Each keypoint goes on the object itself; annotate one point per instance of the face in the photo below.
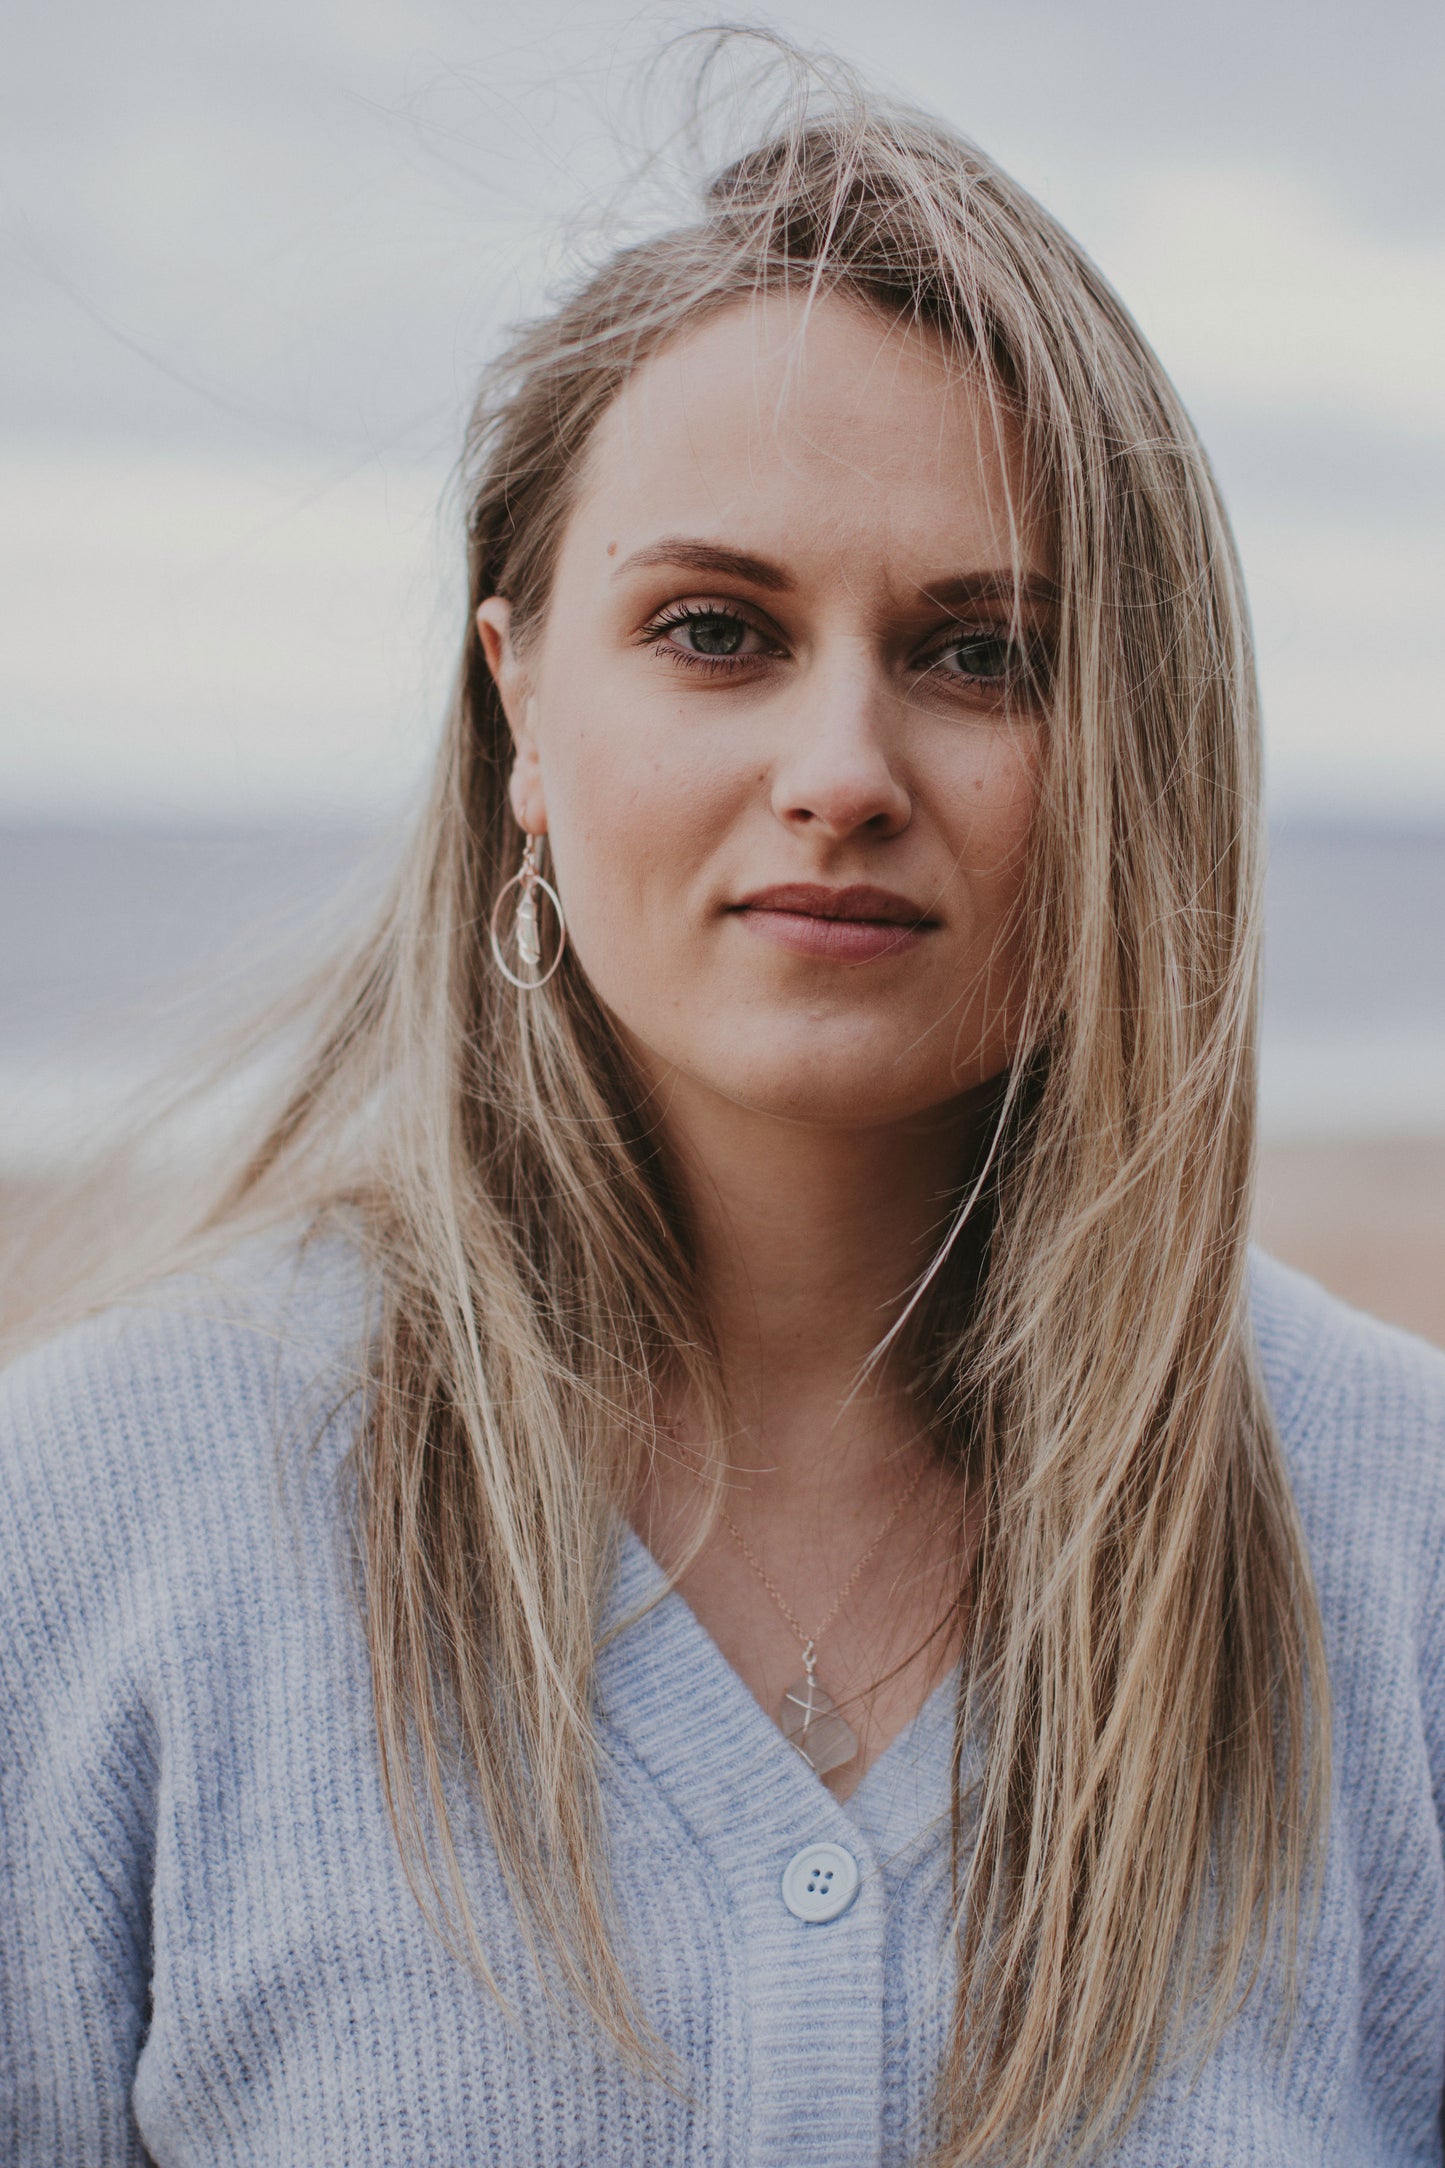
(780, 721)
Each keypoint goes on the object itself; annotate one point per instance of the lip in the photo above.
(852, 924)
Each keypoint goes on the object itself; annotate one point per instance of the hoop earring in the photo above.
(525, 930)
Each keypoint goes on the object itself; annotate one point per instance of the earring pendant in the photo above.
(529, 883)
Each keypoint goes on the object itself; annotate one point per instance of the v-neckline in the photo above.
(664, 1683)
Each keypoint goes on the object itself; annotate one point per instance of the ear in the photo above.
(514, 689)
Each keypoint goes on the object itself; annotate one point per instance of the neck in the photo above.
(810, 1240)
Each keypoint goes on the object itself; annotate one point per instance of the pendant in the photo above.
(529, 942)
(809, 1719)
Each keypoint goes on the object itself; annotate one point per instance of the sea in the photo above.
(122, 947)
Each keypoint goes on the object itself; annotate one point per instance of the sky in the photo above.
(252, 261)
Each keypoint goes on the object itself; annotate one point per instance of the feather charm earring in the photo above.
(526, 930)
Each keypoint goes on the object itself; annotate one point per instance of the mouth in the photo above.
(852, 925)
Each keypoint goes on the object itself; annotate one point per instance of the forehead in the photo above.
(826, 432)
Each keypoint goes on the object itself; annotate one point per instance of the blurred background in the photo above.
(252, 261)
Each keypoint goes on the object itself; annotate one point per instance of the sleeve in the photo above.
(1431, 1654)
(1419, 1546)
(78, 1774)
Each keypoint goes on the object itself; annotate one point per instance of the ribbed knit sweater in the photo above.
(209, 1953)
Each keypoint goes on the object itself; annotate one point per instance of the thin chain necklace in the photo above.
(808, 1715)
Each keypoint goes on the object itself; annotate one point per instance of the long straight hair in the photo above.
(1146, 1660)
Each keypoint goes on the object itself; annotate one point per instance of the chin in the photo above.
(828, 1093)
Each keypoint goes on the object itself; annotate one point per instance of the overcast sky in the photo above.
(251, 261)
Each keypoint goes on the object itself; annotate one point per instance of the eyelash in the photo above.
(1022, 670)
(688, 613)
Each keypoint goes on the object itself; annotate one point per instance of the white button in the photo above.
(820, 1882)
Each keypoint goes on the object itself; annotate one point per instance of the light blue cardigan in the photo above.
(208, 1953)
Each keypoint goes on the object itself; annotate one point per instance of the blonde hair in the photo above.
(1145, 1659)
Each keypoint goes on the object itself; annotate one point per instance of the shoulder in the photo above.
(161, 1552)
(1360, 1405)
(170, 1375)
(140, 1448)
(1318, 1352)
(1360, 1409)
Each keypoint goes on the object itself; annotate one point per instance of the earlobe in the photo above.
(524, 785)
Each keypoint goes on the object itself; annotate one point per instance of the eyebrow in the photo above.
(999, 585)
(709, 557)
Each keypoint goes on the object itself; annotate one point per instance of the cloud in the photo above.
(187, 635)
(1257, 289)
(1346, 612)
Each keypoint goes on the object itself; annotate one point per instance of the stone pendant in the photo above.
(529, 943)
(809, 1719)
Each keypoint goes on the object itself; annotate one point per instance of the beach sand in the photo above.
(1367, 1217)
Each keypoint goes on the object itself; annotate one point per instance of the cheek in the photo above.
(997, 799)
(635, 811)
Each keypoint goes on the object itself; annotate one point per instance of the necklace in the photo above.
(808, 1715)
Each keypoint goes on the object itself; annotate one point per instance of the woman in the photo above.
(736, 1569)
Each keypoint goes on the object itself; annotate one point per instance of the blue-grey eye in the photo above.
(715, 635)
(982, 656)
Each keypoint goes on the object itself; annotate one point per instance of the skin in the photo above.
(849, 709)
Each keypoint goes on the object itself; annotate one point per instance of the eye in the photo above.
(707, 635)
(989, 659)
(712, 635)
(988, 655)
(982, 655)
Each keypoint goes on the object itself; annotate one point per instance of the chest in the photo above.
(302, 2009)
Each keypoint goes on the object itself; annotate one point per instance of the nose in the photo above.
(836, 772)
